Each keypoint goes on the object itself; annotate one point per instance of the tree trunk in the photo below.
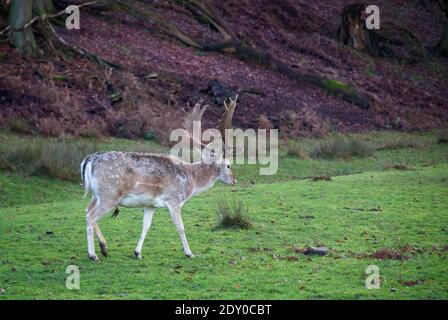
(20, 13)
(43, 7)
(352, 31)
(442, 47)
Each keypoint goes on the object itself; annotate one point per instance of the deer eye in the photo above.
(228, 166)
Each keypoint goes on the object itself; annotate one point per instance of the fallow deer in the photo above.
(150, 181)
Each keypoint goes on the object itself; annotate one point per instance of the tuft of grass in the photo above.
(398, 142)
(52, 158)
(19, 125)
(341, 147)
(232, 214)
(296, 150)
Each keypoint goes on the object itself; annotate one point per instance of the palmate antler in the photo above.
(227, 117)
(198, 111)
(226, 123)
(195, 114)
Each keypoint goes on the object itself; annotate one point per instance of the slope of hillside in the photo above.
(160, 75)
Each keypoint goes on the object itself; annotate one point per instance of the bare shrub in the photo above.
(305, 122)
(144, 122)
(264, 122)
(232, 214)
(50, 127)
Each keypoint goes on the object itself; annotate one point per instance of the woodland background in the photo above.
(298, 66)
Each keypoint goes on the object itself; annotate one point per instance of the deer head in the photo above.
(214, 152)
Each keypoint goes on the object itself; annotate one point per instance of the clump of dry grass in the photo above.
(19, 125)
(341, 147)
(296, 150)
(53, 158)
(232, 214)
(398, 142)
(50, 127)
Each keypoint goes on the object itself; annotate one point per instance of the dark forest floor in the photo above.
(160, 75)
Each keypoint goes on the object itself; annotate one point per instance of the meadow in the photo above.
(386, 206)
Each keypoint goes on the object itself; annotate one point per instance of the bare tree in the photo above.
(20, 13)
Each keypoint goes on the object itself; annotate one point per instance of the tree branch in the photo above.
(52, 16)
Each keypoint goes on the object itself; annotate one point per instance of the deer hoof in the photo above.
(137, 255)
(190, 255)
(94, 258)
(103, 249)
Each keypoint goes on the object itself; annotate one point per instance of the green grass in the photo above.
(365, 207)
(232, 214)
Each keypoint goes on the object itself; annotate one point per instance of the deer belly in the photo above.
(140, 200)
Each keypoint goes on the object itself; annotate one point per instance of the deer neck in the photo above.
(204, 176)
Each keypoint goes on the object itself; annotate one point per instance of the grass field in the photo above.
(369, 213)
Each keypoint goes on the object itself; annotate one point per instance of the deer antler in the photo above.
(227, 117)
(195, 114)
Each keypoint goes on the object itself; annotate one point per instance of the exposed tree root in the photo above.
(63, 45)
(204, 11)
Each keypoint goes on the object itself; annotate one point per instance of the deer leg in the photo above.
(101, 239)
(96, 211)
(90, 241)
(175, 212)
(147, 219)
